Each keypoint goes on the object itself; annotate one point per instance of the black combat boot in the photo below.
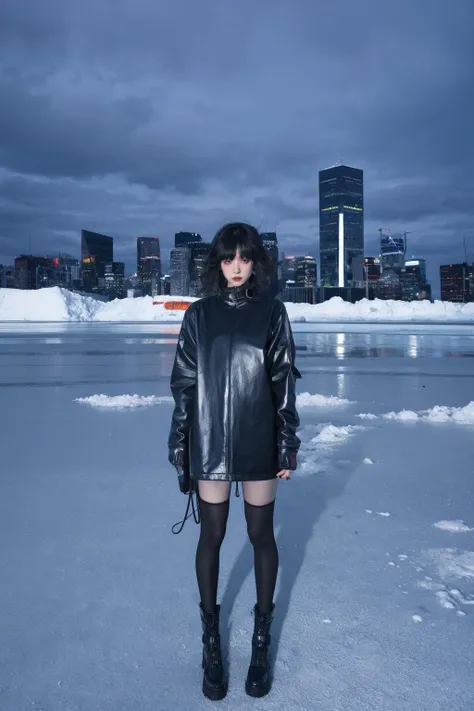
(259, 680)
(214, 683)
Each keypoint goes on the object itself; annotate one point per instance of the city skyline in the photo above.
(133, 138)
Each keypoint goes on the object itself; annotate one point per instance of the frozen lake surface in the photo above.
(375, 598)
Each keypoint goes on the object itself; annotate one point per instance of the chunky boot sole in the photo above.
(258, 691)
(213, 694)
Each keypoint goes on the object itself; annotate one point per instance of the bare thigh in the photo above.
(260, 493)
(214, 492)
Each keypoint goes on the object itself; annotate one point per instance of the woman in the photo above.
(233, 382)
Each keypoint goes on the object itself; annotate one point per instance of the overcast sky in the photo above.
(138, 117)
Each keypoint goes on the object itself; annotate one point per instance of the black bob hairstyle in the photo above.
(229, 238)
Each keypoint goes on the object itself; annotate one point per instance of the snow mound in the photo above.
(308, 400)
(438, 413)
(336, 309)
(57, 304)
(457, 526)
(53, 304)
(122, 402)
(451, 563)
(403, 416)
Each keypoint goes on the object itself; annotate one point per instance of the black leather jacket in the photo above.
(233, 383)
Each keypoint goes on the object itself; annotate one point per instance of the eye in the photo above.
(245, 260)
(227, 261)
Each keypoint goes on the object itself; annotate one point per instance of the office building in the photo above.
(413, 280)
(392, 251)
(371, 269)
(97, 250)
(198, 252)
(115, 280)
(179, 271)
(149, 265)
(270, 243)
(455, 282)
(183, 239)
(306, 272)
(341, 225)
(27, 269)
(166, 285)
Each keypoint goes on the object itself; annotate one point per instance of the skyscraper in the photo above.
(96, 251)
(115, 280)
(306, 272)
(341, 225)
(392, 251)
(270, 243)
(455, 282)
(183, 239)
(149, 265)
(413, 279)
(179, 271)
(197, 254)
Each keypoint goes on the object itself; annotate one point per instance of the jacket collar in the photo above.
(237, 295)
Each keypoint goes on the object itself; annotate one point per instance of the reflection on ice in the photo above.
(413, 346)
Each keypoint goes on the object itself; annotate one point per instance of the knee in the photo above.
(259, 536)
(213, 537)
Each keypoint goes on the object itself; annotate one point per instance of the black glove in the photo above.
(287, 459)
(184, 479)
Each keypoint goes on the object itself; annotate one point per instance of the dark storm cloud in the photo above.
(141, 117)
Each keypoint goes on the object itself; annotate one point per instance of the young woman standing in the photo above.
(235, 420)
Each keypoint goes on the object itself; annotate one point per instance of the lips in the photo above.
(236, 278)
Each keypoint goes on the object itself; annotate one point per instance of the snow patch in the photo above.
(417, 618)
(452, 563)
(438, 413)
(383, 513)
(121, 402)
(367, 460)
(367, 416)
(457, 526)
(449, 598)
(331, 434)
(308, 400)
(403, 416)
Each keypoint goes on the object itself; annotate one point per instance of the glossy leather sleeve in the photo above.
(281, 353)
(183, 388)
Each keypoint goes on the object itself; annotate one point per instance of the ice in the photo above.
(453, 526)
(98, 600)
(57, 304)
(122, 402)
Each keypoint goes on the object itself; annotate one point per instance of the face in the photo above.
(237, 270)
